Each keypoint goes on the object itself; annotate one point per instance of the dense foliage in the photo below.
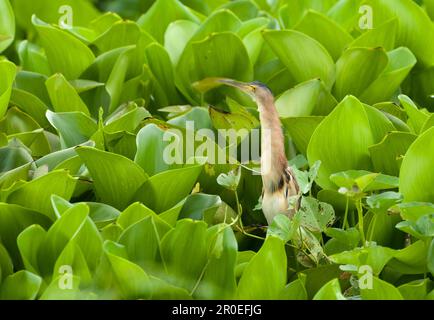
(90, 209)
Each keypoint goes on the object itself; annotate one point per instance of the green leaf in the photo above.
(22, 285)
(330, 291)
(401, 61)
(381, 36)
(416, 118)
(417, 176)
(177, 35)
(65, 53)
(304, 57)
(254, 283)
(36, 194)
(347, 132)
(356, 69)
(6, 264)
(164, 190)
(132, 281)
(218, 55)
(231, 180)
(116, 179)
(294, 291)
(120, 34)
(185, 257)
(8, 70)
(29, 243)
(161, 14)
(387, 155)
(301, 130)
(7, 25)
(381, 290)
(306, 99)
(415, 290)
(327, 32)
(63, 95)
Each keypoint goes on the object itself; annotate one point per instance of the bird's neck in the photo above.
(273, 158)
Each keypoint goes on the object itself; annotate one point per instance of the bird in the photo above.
(278, 179)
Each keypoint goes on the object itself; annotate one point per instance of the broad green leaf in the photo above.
(415, 290)
(177, 35)
(132, 281)
(294, 291)
(133, 214)
(219, 55)
(161, 14)
(36, 194)
(8, 70)
(388, 154)
(13, 220)
(7, 25)
(120, 34)
(330, 291)
(22, 285)
(412, 21)
(381, 290)
(381, 36)
(64, 97)
(356, 69)
(416, 175)
(126, 118)
(304, 57)
(306, 99)
(254, 283)
(416, 118)
(412, 259)
(29, 243)
(198, 205)
(164, 190)
(301, 130)
(218, 281)
(149, 231)
(401, 61)
(185, 257)
(65, 53)
(60, 233)
(6, 264)
(331, 35)
(33, 58)
(346, 132)
(116, 179)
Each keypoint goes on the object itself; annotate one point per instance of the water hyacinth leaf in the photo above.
(8, 70)
(36, 194)
(177, 35)
(74, 128)
(164, 190)
(126, 118)
(356, 69)
(116, 178)
(161, 67)
(15, 219)
(162, 13)
(381, 36)
(301, 130)
(401, 61)
(415, 290)
(6, 264)
(416, 118)
(306, 99)
(387, 155)
(65, 53)
(220, 21)
(412, 20)
(149, 230)
(412, 259)
(120, 34)
(416, 175)
(7, 25)
(294, 291)
(219, 55)
(29, 243)
(221, 265)
(346, 128)
(185, 257)
(58, 236)
(64, 97)
(254, 283)
(326, 31)
(304, 57)
(22, 285)
(381, 290)
(198, 204)
(133, 282)
(330, 291)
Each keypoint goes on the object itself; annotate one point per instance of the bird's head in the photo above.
(257, 90)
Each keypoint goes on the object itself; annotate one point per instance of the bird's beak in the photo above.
(245, 87)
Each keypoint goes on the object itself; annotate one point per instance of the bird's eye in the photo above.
(253, 88)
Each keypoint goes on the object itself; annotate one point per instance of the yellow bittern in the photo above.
(279, 181)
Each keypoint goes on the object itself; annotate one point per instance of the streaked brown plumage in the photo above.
(279, 182)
